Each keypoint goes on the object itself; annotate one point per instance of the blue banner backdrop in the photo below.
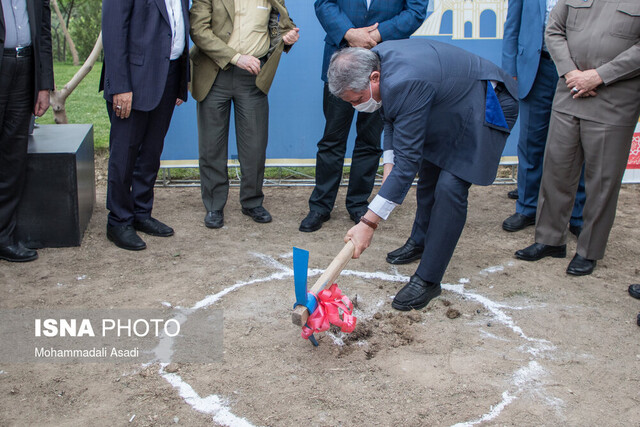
(296, 121)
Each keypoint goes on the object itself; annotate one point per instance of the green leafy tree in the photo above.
(85, 25)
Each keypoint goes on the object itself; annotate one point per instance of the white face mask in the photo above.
(370, 105)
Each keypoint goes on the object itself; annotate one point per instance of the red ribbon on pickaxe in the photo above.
(333, 308)
(315, 309)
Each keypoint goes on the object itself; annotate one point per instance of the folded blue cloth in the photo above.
(493, 110)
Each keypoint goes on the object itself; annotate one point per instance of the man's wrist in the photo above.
(368, 222)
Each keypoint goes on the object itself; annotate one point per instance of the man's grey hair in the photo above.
(350, 69)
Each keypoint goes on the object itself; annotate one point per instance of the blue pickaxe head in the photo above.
(300, 269)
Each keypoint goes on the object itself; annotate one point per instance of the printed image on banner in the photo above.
(632, 174)
(634, 153)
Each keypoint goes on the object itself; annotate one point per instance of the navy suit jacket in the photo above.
(136, 35)
(433, 108)
(521, 47)
(397, 19)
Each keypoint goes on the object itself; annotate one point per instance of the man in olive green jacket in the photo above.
(238, 44)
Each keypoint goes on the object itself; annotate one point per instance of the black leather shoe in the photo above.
(575, 230)
(125, 237)
(638, 320)
(18, 253)
(580, 266)
(409, 252)
(538, 251)
(313, 221)
(214, 219)
(634, 291)
(416, 294)
(517, 222)
(355, 216)
(513, 194)
(153, 227)
(258, 214)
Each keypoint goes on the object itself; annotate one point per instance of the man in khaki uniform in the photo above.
(238, 44)
(596, 48)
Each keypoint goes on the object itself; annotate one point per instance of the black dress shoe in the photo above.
(409, 252)
(214, 219)
(416, 294)
(153, 227)
(517, 222)
(580, 266)
(125, 237)
(634, 290)
(538, 251)
(313, 221)
(18, 253)
(575, 230)
(638, 320)
(258, 214)
(513, 194)
(355, 216)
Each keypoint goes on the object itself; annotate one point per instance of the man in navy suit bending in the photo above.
(144, 77)
(447, 114)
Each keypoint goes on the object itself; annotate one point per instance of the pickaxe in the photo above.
(305, 300)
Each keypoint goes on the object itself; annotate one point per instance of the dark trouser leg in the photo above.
(365, 160)
(16, 106)
(147, 164)
(213, 138)
(578, 204)
(447, 217)
(251, 109)
(125, 139)
(331, 150)
(535, 112)
(425, 193)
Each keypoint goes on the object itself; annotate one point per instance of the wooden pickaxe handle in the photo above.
(300, 313)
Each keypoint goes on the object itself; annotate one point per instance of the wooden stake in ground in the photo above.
(300, 313)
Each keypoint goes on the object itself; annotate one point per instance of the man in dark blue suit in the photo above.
(144, 77)
(447, 114)
(526, 58)
(354, 23)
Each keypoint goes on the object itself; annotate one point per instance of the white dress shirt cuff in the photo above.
(388, 157)
(381, 206)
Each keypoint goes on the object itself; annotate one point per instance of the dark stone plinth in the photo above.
(60, 191)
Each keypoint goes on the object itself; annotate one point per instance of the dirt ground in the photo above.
(507, 343)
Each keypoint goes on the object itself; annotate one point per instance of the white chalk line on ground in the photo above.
(525, 378)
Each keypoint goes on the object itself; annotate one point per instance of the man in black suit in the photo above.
(144, 77)
(26, 76)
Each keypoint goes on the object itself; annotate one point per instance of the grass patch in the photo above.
(85, 104)
(270, 173)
